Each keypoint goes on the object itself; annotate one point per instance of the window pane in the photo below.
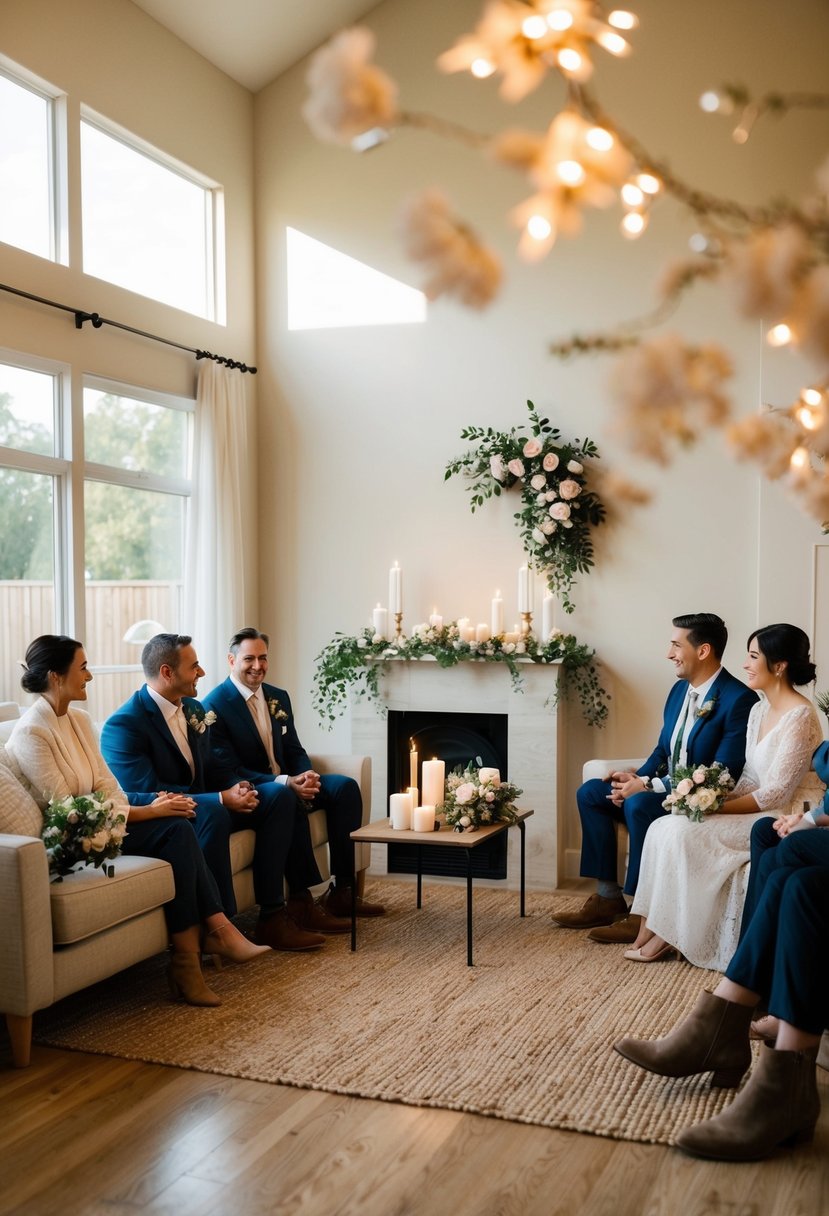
(27, 579)
(132, 534)
(27, 410)
(145, 227)
(136, 435)
(25, 212)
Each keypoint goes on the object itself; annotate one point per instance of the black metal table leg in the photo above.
(521, 828)
(469, 907)
(354, 896)
(419, 877)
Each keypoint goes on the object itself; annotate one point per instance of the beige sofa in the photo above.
(61, 937)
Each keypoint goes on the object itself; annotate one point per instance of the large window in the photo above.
(148, 224)
(27, 168)
(92, 546)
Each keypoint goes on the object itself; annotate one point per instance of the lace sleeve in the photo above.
(749, 778)
(789, 758)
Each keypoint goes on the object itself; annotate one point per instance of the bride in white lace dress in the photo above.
(694, 875)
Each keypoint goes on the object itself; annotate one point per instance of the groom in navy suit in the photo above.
(160, 740)
(256, 739)
(704, 722)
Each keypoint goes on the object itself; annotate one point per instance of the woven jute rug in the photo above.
(525, 1034)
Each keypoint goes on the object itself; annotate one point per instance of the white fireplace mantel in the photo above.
(533, 743)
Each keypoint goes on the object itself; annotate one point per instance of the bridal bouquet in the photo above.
(82, 829)
(699, 791)
(470, 803)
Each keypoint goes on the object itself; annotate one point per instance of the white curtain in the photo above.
(214, 574)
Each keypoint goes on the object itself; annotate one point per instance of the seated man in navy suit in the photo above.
(704, 722)
(160, 740)
(256, 739)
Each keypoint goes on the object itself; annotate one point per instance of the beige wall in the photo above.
(359, 424)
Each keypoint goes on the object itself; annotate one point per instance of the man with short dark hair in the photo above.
(257, 740)
(160, 740)
(704, 722)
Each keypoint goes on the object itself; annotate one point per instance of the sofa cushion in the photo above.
(19, 813)
(86, 902)
(241, 849)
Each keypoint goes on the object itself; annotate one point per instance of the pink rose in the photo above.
(569, 489)
(539, 482)
(698, 776)
(575, 467)
(550, 462)
(531, 448)
(465, 793)
(550, 495)
(560, 510)
(685, 786)
(516, 467)
(497, 468)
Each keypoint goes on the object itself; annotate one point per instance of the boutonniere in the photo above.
(276, 710)
(706, 708)
(198, 718)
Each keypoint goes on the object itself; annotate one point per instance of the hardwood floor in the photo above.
(89, 1135)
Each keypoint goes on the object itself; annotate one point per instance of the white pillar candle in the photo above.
(424, 819)
(524, 600)
(548, 616)
(497, 615)
(432, 778)
(467, 633)
(482, 633)
(400, 811)
(395, 589)
(380, 617)
(413, 794)
(489, 774)
(513, 636)
(436, 620)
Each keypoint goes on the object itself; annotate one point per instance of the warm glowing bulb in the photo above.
(698, 243)
(613, 43)
(799, 462)
(634, 224)
(812, 396)
(599, 139)
(481, 68)
(649, 183)
(570, 60)
(621, 19)
(779, 335)
(534, 27)
(710, 102)
(560, 19)
(808, 417)
(632, 195)
(538, 227)
(740, 135)
(570, 172)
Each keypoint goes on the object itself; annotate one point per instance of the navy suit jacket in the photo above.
(140, 749)
(235, 739)
(717, 737)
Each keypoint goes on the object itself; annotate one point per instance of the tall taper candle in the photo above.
(497, 621)
(524, 601)
(412, 764)
(395, 589)
(548, 617)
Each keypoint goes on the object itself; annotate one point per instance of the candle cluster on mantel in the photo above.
(468, 631)
(405, 812)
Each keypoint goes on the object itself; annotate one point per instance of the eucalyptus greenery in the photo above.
(558, 511)
(357, 662)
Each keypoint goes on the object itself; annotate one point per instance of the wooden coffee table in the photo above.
(381, 832)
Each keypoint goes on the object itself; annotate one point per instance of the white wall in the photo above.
(357, 425)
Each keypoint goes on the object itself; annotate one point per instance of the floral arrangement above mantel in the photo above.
(358, 662)
(558, 510)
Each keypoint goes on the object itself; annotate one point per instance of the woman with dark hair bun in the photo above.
(57, 752)
(694, 875)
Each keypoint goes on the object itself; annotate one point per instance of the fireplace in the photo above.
(457, 739)
(530, 756)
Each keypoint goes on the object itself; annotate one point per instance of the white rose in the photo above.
(465, 793)
(538, 482)
(574, 466)
(551, 496)
(509, 648)
(362, 643)
(541, 499)
(539, 537)
(684, 787)
(560, 510)
(464, 821)
(520, 647)
(548, 527)
(550, 462)
(698, 776)
(378, 637)
(706, 799)
(516, 467)
(532, 448)
(569, 489)
(497, 468)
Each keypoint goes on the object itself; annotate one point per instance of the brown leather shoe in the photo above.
(620, 933)
(337, 901)
(281, 932)
(310, 913)
(595, 911)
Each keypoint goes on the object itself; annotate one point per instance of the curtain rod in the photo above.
(97, 321)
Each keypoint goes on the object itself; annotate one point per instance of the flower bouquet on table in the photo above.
(699, 791)
(471, 803)
(83, 829)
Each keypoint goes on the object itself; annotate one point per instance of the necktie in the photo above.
(679, 755)
(179, 732)
(263, 725)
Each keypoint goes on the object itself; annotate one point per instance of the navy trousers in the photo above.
(782, 953)
(174, 840)
(598, 834)
(770, 852)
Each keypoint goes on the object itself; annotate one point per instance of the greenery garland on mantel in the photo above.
(358, 662)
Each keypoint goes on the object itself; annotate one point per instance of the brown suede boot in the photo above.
(780, 1104)
(713, 1038)
(186, 980)
(594, 911)
(310, 913)
(281, 932)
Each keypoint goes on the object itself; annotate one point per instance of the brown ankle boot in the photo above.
(186, 980)
(780, 1104)
(713, 1038)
